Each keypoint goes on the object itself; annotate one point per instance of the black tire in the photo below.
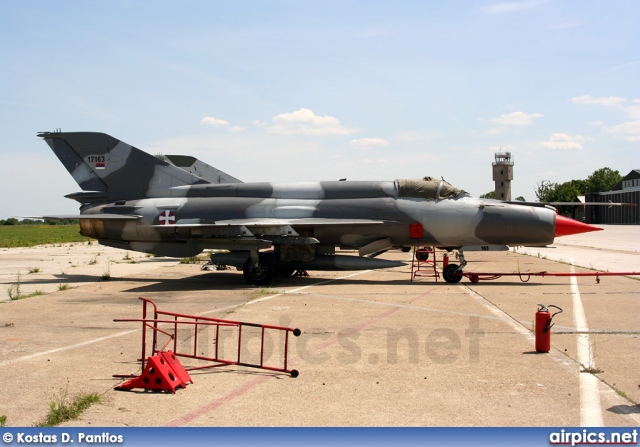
(422, 255)
(261, 273)
(449, 274)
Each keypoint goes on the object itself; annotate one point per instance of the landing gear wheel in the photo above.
(261, 273)
(450, 274)
(423, 255)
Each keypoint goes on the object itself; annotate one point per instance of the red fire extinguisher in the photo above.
(543, 327)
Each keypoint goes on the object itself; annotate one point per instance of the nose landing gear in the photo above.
(452, 273)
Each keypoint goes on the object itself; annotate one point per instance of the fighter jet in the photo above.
(135, 201)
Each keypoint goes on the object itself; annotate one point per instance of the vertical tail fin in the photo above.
(99, 162)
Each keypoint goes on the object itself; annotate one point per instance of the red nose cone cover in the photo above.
(566, 226)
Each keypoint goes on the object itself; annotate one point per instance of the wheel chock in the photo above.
(159, 375)
(176, 366)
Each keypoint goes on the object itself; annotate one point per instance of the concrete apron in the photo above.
(376, 350)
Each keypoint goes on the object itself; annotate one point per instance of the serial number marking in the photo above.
(96, 159)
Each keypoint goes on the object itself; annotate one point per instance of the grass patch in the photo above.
(31, 235)
(106, 274)
(195, 259)
(14, 292)
(592, 370)
(3, 421)
(265, 291)
(62, 411)
(63, 286)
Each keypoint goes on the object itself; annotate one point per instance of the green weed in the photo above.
(62, 411)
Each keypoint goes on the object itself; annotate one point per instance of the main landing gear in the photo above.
(259, 272)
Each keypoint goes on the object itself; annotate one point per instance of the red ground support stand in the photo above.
(424, 263)
(194, 337)
(526, 276)
(163, 372)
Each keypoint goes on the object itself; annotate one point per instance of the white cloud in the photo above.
(590, 100)
(564, 142)
(507, 7)
(516, 118)
(373, 161)
(629, 131)
(369, 142)
(236, 129)
(214, 122)
(633, 111)
(507, 120)
(305, 122)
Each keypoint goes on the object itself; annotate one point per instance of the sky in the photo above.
(288, 91)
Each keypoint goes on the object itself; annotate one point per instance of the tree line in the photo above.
(14, 221)
(602, 180)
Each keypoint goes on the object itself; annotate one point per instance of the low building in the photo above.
(627, 191)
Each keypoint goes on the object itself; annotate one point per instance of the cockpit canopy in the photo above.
(428, 188)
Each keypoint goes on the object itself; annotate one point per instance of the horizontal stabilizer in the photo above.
(86, 216)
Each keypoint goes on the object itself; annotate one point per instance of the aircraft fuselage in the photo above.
(189, 217)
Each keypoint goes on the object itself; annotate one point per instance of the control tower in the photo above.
(502, 175)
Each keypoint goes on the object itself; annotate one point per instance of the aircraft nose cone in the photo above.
(566, 226)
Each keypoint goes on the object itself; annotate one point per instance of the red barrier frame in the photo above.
(177, 320)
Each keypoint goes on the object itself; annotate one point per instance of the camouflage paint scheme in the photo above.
(135, 201)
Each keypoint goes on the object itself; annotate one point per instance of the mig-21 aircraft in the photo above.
(135, 201)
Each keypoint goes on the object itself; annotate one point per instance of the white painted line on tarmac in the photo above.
(590, 408)
(66, 348)
(120, 334)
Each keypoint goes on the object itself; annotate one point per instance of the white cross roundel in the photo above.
(167, 217)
